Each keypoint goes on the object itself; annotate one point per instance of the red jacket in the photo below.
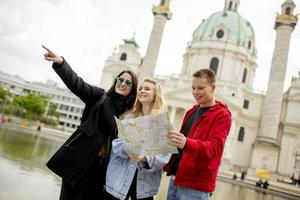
(199, 164)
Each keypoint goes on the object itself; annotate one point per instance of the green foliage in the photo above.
(4, 98)
(52, 110)
(49, 121)
(3, 94)
(31, 106)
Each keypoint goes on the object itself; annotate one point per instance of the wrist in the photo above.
(60, 60)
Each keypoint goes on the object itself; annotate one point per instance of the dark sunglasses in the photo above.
(122, 81)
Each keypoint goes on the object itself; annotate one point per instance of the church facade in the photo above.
(265, 129)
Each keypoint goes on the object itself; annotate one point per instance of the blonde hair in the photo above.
(158, 100)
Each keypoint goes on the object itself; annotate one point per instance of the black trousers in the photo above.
(131, 192)
(90, 187)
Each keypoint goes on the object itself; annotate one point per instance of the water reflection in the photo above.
(22, 166)
(24, 176)
(229, 191)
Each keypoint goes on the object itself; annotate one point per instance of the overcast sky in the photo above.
(85, 32)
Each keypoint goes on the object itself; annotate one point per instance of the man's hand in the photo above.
(177, 139)
(52, 56)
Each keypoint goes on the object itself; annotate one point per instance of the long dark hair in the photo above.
(130, 98)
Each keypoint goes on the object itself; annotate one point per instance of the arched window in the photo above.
(214, 63)
(241, 134)
(244, 76)
(288, 11)
(230, 5)
(123, 56)
(249, 44)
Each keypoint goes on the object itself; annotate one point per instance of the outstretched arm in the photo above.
(87, 93)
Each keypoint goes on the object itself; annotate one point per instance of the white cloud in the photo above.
(86, 31)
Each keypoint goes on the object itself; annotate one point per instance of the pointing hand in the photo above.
(52, 56)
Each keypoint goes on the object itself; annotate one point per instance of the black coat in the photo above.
(74, 158)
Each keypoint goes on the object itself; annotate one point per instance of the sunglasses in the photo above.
(124, 82)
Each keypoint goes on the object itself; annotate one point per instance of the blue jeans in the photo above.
(181, 193)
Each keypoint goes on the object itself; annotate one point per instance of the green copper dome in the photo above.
(238, 29)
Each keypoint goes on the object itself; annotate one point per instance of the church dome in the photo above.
(228, 26)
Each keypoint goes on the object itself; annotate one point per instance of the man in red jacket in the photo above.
(200, 142)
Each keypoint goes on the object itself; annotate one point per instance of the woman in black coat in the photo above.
(82, 160)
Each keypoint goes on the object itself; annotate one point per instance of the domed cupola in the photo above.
(228, 26)
(225, 43)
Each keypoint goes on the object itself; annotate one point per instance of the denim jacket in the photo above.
(121, 170)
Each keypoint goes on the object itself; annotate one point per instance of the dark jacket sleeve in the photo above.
(87, 93)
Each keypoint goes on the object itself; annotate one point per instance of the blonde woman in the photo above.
(128, 175)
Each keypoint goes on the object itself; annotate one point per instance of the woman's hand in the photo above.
(52, 56)
(177, 139)
(136, 158)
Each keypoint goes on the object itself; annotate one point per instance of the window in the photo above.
(230, 5)
(241, 134)
(288, 11)
(220, 33)
(249, 44)
(246, 104)
(214, 63)
(244, 76)
(77, 110)
(123, 56)
(26, 91)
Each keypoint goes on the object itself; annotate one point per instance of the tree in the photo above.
(3, 94)
(32, 105)
(52, 110)
(3, 98)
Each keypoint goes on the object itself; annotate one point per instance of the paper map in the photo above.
(146, 135)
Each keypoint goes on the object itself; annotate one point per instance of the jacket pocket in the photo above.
(149, 182)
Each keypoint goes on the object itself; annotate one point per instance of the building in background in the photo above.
(70, 107)
(265, 129)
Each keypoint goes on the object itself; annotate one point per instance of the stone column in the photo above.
(266, 147)
(161, 15)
